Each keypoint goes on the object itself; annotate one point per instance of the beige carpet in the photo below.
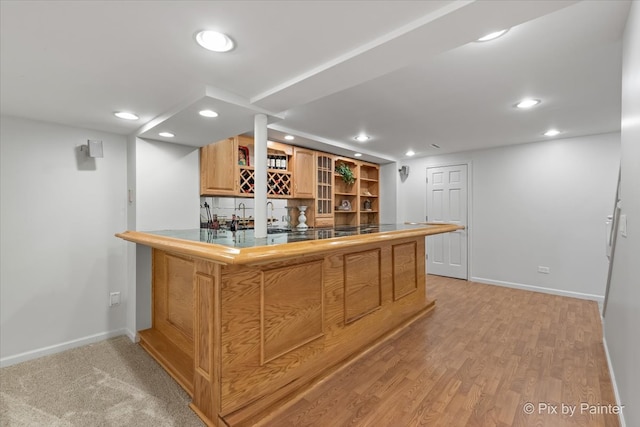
(110, 383)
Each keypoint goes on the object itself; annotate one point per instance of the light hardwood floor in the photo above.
(476, 360)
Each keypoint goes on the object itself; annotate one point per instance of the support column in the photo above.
(260, 179)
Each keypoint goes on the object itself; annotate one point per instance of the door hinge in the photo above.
(426, 218)
(427, 180)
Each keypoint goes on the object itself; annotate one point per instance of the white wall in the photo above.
(165, 180)
(132, 301)
(389, 179)
(167, 186)
(539, 204)
(622, 317)
(60, 259)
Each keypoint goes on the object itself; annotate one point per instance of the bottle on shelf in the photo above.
(277, 162)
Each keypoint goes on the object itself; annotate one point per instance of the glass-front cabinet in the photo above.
(324, 191)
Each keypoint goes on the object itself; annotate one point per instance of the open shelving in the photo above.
(346, 195)
(369, 194)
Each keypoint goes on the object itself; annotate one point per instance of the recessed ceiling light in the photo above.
(528, 103)
(410, 153)
(289, 137)
(166, 134)
(362, 138)
(357, 154)
(552, 132)
(492, 36)
(208, 113)
(214, 41)
(125, 115)
(435, 146)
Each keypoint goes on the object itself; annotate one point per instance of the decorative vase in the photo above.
(302, 219)
(287, 218)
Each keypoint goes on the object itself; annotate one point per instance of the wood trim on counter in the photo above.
(260, 254)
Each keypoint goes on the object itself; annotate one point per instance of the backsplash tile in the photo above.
(225, 207)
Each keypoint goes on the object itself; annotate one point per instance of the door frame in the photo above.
(469, 227)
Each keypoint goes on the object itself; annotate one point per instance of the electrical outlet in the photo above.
(114, 299)
(544, 270)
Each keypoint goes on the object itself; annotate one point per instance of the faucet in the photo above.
(244, 215)
(270, 223)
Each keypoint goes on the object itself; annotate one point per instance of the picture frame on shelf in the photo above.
(345, 205)
(243, 155)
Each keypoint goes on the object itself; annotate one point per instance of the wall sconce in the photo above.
(93, 148)
(404, 173)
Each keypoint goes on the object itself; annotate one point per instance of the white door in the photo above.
(447, 202)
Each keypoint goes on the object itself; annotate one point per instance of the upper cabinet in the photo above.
(219, 167)
(304, 185)
(313, 178)
(227, 168)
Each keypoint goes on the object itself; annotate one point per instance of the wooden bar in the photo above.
(244, 330)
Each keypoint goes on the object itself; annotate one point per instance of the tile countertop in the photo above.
(241, 247)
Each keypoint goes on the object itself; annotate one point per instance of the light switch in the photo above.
(623, 225)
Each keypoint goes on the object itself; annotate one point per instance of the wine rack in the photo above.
(278, 182)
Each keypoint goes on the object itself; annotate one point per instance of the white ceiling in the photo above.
(408, 73)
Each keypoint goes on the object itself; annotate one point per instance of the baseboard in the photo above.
(133, 336)
(613, 382)
(598, 298)
(57, 348)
